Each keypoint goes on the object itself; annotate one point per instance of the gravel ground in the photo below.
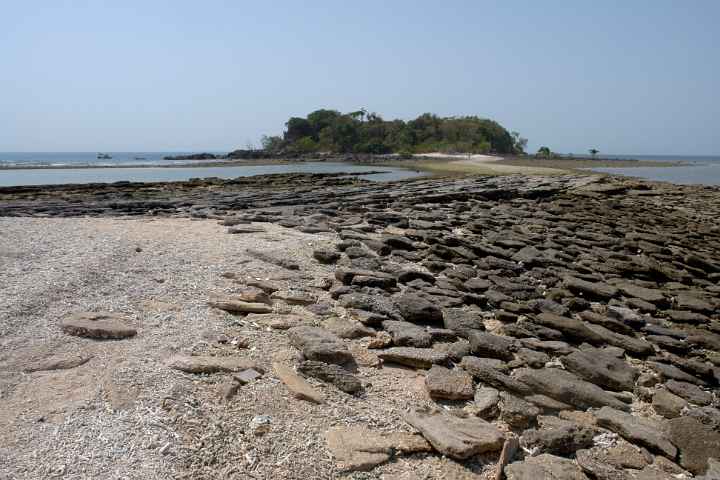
(124, 414)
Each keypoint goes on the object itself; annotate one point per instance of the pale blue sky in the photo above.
(630, 76)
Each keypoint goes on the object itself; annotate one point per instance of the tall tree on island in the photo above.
(593, 152)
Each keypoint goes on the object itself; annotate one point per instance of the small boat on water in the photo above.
(103, 156)
(139, 158)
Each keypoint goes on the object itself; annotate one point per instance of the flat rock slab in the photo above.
(571, 327)
(636, 430)
(486, 344)
(563, 440)
(414, 357)
(274, 259)
(297, 385)
(361, 449)
(697, 443)
(332, 374)
(101, 325)
(295, 298)
(57, 362)
(416, 309)
(234, 305)
(245, 229)
(447, 384)
(565, 387)
(406, 334)
(209, 364)
(458, 438)
(543, 467)
(319, 344)
(278, 321)
(590, 289)
(482, 371)
(602, 369)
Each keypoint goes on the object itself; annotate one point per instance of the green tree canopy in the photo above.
(363, 132)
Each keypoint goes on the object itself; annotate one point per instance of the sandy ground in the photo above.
(124, 414)
(487, 164)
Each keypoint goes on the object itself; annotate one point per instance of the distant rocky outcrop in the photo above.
(194, 156)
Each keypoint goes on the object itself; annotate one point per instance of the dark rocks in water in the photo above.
(193, 156)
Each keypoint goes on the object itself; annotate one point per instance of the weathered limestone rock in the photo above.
(571, 327)
(233, 305)
(566, 387)
(696, 442)
(406, 334)
(447, 384)
(562, 440)
(416, 309)
(667, 404)
(601, 369)
(274, 259)
(99, 325)
(491, 376)
(636, 429)
(485, 344)
(462, 322)
(516, 412)
(326, 255)
(333, 374)
(57, 362)
(458, 438)
(361, 449)
(690, 392)
(544, 466)
(318, 344)
(414, 357)
(297, 385)
(209, 364)
(590, 289)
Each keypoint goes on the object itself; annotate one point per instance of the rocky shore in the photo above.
(320, 326)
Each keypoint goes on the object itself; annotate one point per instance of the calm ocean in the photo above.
(702, 170)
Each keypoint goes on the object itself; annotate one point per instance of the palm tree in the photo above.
(544, 152)
(360, 113)
(593, 152)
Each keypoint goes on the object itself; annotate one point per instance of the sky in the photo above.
(632, 77)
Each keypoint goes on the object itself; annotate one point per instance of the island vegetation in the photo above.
(368, 133)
